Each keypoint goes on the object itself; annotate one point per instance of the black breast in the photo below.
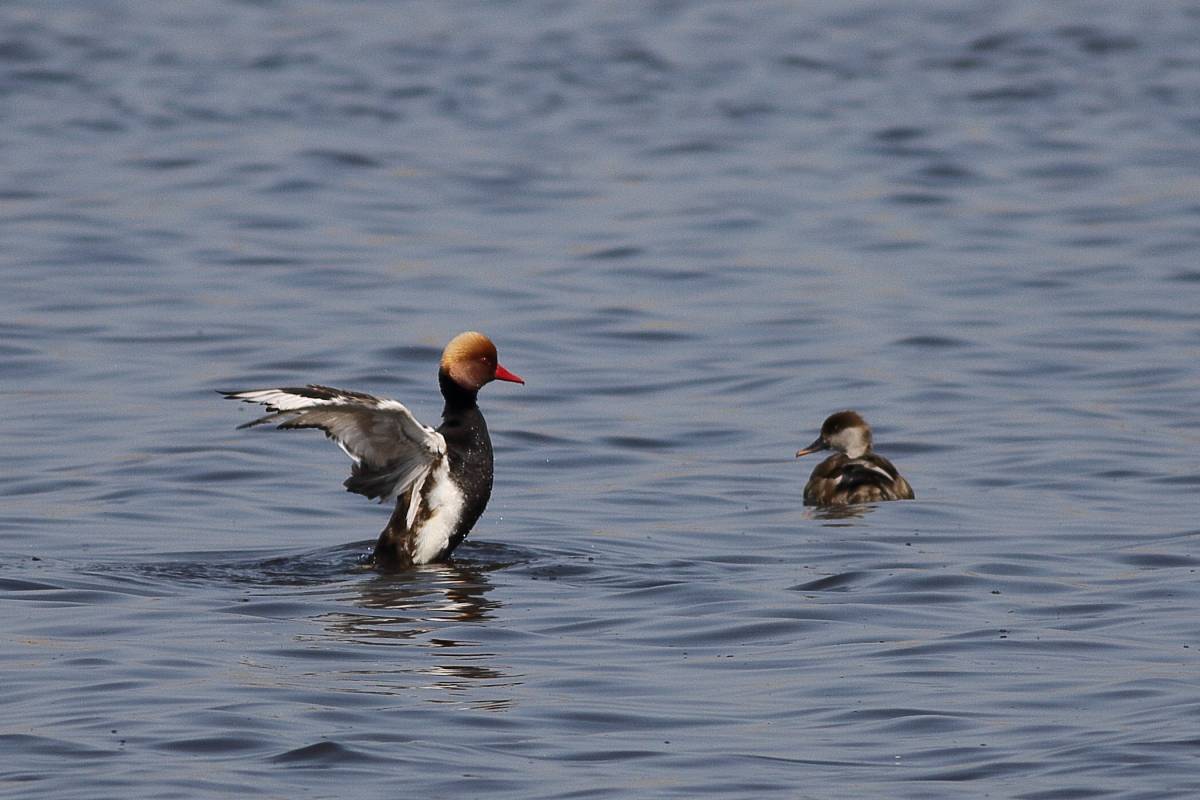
(469, 460)
(469, 451)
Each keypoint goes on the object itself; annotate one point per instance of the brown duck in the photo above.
(854, 474)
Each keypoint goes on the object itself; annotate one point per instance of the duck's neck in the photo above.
(457, 398)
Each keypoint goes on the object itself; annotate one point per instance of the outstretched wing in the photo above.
(392, 451)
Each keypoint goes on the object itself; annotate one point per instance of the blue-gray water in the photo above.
(695, 228)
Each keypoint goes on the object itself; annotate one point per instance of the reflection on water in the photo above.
(833, 513)
(423, 605)
(417, 601)
(431, 613)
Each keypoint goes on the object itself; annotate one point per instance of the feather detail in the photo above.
(390, 449)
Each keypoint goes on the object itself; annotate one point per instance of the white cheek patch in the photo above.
(851, 441)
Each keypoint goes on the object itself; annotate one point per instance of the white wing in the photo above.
(392, 451)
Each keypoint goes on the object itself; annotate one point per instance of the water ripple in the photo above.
(696, 230)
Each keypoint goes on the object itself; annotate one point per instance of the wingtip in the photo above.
(233, 395)
(272, 417)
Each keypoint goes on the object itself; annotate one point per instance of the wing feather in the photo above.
(391, 450)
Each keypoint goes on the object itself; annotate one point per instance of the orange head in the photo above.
(470, 361)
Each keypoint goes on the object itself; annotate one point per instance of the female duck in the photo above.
(439, 479)
(853, 474)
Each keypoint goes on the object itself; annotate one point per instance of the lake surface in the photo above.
(695, 229)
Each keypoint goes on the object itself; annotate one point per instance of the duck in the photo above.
(439, 478)
(854, 474)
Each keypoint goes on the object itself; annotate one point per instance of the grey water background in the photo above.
(695, 228)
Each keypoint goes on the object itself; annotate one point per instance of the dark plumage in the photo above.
(854, 474)
(440, 479)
